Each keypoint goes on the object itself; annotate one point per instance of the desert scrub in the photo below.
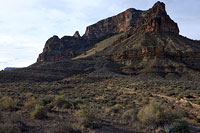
(62, 102)
(30, 103)
(8, 128)
(156, 115)
(40, 112)
(115, 109)
(45, 100)
(179, 126)
(130, 115)
(9, 103)
(88, 115)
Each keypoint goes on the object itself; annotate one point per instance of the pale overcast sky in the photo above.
(25, 25)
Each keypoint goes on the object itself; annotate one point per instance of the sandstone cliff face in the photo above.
(130, 22)
(60, 49)
(114, 25)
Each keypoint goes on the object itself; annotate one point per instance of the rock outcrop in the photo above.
(130, 22)
(114, 25)
(157, 20)
(152, 52)
(76, 35)
(60, 49)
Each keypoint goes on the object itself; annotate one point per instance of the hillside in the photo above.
(130, 73)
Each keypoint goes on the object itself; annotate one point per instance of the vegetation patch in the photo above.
(9, 103)
(40, 112)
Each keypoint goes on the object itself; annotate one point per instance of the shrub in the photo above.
(180, 126)
(88, 116)
(62, 102)
(197, 120)
(155, 114)
(8, 128)
(115, 109)
(63, 128)
(30, 104)
(46, 100)
(15, 118)
(40, 112)
(130, 115)
(9, 103)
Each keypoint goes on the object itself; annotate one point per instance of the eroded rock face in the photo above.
(114, 25)
(157, 20)
(140, 53)
(131, 21)
(155, 51)
(60, 49)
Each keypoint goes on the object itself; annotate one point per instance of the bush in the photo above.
(30, 104)
(115, 109)
(9, 103)
(155, 114)
(197, 120)
(45, 100)
(180, 126)
(88, 116)
(62, 102)
(40, 112)
(8, 128)
(130, 115)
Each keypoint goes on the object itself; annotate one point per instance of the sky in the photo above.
(25, 25)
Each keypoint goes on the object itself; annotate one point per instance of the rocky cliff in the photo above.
(59, 49)
(114, 25)
(130, 22)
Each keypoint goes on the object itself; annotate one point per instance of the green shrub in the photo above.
(130, 115)
(155, 114)
(40, 112)
(197, 120)
(88, 116)
(62, 102)
(9, 103)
